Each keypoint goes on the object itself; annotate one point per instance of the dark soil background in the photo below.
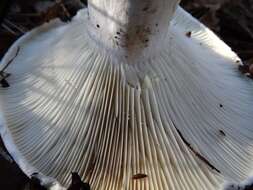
(231, 20)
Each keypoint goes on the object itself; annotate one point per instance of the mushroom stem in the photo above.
(130, 27)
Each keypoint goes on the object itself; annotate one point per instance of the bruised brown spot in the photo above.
(139, 176)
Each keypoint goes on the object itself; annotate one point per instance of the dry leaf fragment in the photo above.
(139, 176)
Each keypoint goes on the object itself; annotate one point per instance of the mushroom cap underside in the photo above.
(179, 120)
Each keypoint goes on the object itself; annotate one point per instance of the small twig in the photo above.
(196, 153)
(9, 29)
(21, 30)
(9, 62)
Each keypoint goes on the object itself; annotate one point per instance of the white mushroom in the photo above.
(128, 101)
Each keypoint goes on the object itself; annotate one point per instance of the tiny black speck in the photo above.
(222, 132)
(221, 106)
(189, 34)
(98, 26)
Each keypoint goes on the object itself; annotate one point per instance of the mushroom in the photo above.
(128, 101)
